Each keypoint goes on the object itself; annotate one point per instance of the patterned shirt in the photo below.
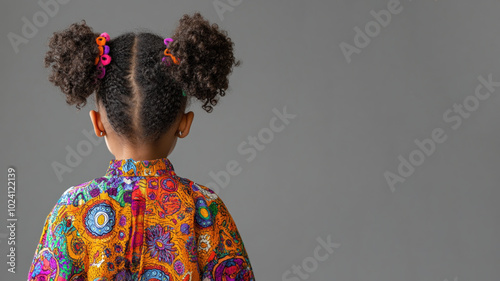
(140, 221)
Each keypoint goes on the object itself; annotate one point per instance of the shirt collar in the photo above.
(129, 167)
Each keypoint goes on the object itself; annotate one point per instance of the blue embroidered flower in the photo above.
(159, 244)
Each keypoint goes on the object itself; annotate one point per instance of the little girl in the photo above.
(141, 221)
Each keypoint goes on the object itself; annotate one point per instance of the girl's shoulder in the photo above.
(121, 188)
(197, 190)
(70, 194)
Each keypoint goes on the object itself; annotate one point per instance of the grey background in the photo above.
(324, 173)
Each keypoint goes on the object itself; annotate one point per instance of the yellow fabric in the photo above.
(140, 221)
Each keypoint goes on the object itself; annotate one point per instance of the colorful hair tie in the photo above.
(168, 54)
(103, 59)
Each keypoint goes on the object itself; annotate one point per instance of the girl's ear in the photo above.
(97, 123)
(185, 124)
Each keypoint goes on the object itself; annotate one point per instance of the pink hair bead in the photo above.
(105, 35)
(168, 40)
(105, 59)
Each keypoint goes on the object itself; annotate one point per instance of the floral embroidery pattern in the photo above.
(204, 243)
(159, 244)
(140, 221)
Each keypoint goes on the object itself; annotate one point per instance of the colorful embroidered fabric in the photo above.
(140, 221)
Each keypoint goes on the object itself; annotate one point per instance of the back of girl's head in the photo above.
(142, 95)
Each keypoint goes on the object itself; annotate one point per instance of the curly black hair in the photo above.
(142, 95)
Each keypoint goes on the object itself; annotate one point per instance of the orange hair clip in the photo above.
(101, 41)
(167, 53)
